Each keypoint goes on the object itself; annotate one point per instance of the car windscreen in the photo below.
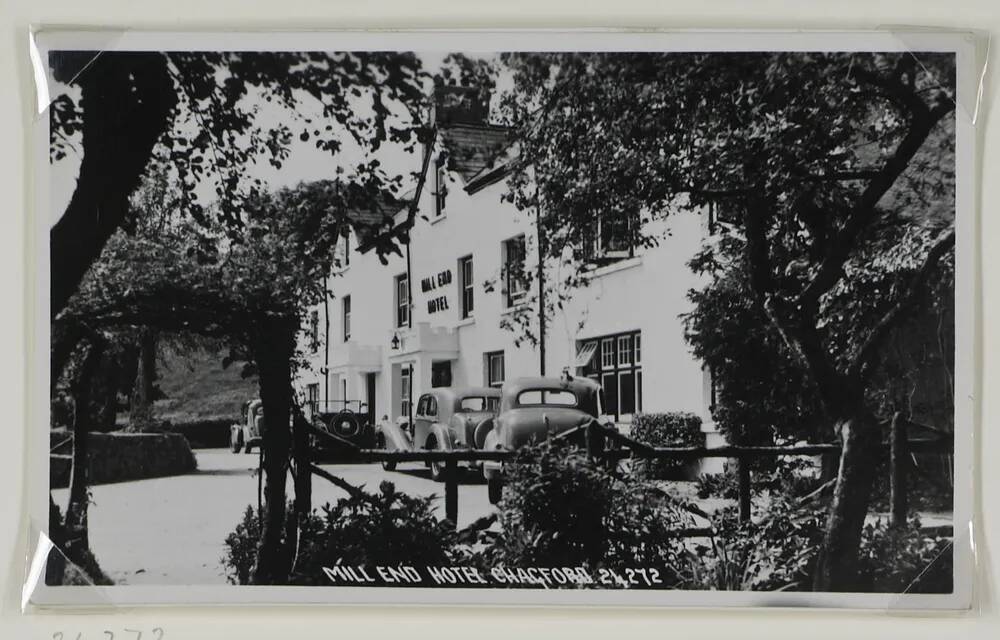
(546, 397)
(478, 403)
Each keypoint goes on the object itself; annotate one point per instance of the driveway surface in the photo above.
(171, 531)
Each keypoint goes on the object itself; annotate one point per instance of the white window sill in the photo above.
(464, 322)
(437, 219)
(514, 308)
(614, 267)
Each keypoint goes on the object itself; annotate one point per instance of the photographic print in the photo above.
(548, 318)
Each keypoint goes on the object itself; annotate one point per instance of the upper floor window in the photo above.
(346, 304)
(611, 238)
(466, 286)
(440, 189)
(515, 278)
(402, 301)
(342, 252)
(314, 330)
(494, 369)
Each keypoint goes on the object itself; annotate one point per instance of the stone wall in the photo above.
(117, 456)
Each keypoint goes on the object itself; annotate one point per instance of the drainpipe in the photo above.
(326, 344)
(541, 287)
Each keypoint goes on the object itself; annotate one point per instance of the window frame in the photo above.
(515, 285)
(402, 298)
(440, 189)
(467, 286)
(345, 317)
(610, 374)
(489, 358)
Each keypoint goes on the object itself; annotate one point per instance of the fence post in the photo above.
(451, 491)
(898, 461)
(593, 439)
(743, 469)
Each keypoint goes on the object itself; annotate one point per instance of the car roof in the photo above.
(537, 382)
(463, 392)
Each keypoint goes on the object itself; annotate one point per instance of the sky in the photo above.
(305, 162)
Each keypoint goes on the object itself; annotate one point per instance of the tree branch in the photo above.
(865, 210)
(892, 317)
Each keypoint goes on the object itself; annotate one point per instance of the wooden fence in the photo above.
(603, 443)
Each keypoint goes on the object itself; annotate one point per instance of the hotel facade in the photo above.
(441, 312)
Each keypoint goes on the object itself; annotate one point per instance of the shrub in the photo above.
(779, 552)
(561, 509)
(677, 429)
(241, 548)
(904, 560)
(387, 528)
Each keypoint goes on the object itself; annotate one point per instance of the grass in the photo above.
(198, 388)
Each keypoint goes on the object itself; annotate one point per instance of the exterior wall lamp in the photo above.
(395, 342)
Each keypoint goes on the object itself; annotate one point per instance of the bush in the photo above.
(387, 528)
(904, 560)
(677, 429)
(779, 552)
(202, 433)
(561, 509)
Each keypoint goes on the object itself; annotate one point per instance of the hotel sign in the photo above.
(431, 284)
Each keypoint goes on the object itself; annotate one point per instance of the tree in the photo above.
(813, 153)
(251, 291)
(198, 113)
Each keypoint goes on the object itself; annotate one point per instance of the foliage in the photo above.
(226, 102)
(388, 528)
(814, 163)
(241, 548)
(772, 553)
(778, 549)
(674, 429)
(562, 510)
(905, 560)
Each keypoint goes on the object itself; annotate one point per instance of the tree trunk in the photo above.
(126, 100)
(76, 532)
(141, 406)
(837, 565)
(303, 461)
(275, 347)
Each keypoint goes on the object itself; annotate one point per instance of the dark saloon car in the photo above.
(533, 409)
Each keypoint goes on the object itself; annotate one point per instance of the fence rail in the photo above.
(597, 438)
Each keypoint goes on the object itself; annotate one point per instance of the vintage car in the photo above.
(349, 420)
(533, 409)
(444, 419)
(246, 435)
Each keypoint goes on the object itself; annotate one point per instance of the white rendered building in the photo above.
(433, 316)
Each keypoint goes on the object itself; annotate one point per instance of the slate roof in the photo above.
(473, 147)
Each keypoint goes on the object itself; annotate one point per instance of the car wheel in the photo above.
(438, 469)
(235, 441)
(494, 488)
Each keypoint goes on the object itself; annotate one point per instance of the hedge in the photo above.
(203, 433)
(673, 429)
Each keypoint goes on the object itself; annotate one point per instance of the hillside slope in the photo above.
(198, 388)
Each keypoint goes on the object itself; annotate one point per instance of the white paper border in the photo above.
(491, 41)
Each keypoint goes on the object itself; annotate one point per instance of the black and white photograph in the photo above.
(498, 318)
